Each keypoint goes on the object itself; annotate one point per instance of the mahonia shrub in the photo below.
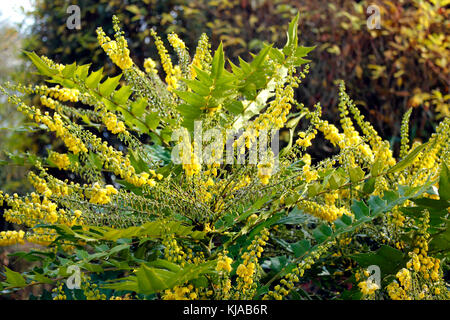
(388, 70)
(156, 213)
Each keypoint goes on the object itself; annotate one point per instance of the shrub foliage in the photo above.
(132, 223)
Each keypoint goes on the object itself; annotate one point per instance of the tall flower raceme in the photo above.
(190, 200)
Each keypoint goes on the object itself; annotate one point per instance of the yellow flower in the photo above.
(60, 160)
(224, 264)
(150, 66)
(175, 41)
(8, 238)
(117, 49)
(368, 287)
(112, 124)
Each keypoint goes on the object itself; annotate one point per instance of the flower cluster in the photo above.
(56, 125)
(291, 278)
(150, 66)
(99, 195)
(112, 124)
(326, 212)
(180, 293)
(202, 56)
(117, 50)
(61, 160)
(62, 94)
(367, 286)
(173, 74)
(8, 238)
(246, 271)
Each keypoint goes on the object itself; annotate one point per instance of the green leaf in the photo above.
(121, 96)
(191, 98)
(360, 209)
(276, 55)
(369, 186)
(154, 229)
(356, 174)
(160, 275)
(277, 263)
(292, 36)
(389, 259)
(138, 107)
(197, 86)
(41, 278)
(218, 62)
(301, 247)
(259, 59)
(408, 159)
(444, 183)
(152, 280)
(377, 167)
(322, 233)
(94, 79)
(42, 67)
(300, 52)
(109, 85)
(235, 107)
(15, 279)
(204, 77)
(69, 70)
(336, 180)
(82, 71)
(295, 217)
(314, 189)
(95, 160)
(152, 120)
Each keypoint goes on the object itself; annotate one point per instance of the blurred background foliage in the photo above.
(402, 65)
(12, 138)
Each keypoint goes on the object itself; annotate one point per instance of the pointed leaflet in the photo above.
(197, 86)
(356, 174)
(42, 67)
(15, 279)
(301, 247)
(406, 161)
(94, 79)
(389, 259)
(121, 96)
(69, 70)
(360, 209)
(218, 63)
(82, 71)
(109, 85)
(292, 36)
(138, 107)
(150, 280)
(160, 275)
(444, 183)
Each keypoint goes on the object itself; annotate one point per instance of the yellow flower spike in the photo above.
(117, 49)
(60, 160)
(202, 55)
(175, 41)
(113, 125)
(150, 66)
